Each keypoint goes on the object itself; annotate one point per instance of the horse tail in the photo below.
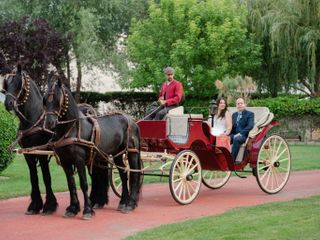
(135, 141)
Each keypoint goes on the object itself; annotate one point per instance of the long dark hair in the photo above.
(223, 112)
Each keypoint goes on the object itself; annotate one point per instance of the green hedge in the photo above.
(288, 106)
(135, 103)
(8, 128)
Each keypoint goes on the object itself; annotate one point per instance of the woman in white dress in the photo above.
(221, 124)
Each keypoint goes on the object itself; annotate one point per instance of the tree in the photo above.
(94, 27)
(202, 40)
(33, 43)
(289, 31)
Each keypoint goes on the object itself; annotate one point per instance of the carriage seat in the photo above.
(262, 117)
(176, 111)
(177, 126)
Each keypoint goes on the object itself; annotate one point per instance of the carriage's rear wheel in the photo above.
(115, 180)
(185, 177)
(273, 164)
(215, 179)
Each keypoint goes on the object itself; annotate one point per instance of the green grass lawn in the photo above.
(298, 219)
(18, 184)
(305, 157)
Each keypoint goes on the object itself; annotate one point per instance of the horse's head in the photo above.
(55, 101)
(16, 87)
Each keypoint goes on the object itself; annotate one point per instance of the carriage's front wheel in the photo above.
(273, 164)
(115, 180)
(185, 177)
(215, 179)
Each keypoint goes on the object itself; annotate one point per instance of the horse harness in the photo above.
(94, 142)
(20, 100)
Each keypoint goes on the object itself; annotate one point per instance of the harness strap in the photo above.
(96, 131)
(35, 128)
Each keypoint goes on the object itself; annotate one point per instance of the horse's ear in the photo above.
(19, 68)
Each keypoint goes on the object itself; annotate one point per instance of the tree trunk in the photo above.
(79, 78)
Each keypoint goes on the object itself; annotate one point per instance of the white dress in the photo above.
(219, 126)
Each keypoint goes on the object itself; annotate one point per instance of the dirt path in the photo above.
(156, 207)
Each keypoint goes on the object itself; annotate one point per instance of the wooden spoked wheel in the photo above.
(215, 179)
(273, 164)
(115, 180)
(185, 177)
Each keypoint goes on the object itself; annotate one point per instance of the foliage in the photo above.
(289, 31)
(94, 97)
(8, 127)
(202, 40)
(287, 106)
(235, 87)
(282, 106)
(136, 103)
(94, 28)
(35, 44)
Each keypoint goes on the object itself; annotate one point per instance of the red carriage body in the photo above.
(187, 139)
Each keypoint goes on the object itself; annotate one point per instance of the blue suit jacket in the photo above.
(244, 125)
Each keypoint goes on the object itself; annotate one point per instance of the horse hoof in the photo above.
(87, 216)
(98, 206)
(48, 212)
(127, 209)
(121, 207)
(69, 215)
(32, 212)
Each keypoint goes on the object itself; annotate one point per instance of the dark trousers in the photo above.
(236, 143)
(159, 112)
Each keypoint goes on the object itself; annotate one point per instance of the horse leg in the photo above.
(74, 206)
(124, 180)
(36, 201)
(134, 162)
(50, 204)
(99, 187)
(87, 211)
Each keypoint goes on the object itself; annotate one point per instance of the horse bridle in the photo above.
(23, 94)
(63, 104)
(25, 87)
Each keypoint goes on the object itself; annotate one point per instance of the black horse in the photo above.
(24, 98)
(93, 141)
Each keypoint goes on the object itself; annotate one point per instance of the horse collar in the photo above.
(26, 87)
(64, 103)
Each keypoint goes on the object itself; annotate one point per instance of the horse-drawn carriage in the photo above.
(179, 147)
(182, 148)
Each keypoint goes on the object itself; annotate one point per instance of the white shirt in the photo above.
(219, 126)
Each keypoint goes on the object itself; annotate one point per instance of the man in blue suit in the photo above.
(242, 123)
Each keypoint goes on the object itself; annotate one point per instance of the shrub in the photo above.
(8, 127)
(289, 106)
